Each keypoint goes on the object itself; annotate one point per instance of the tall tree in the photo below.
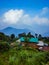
(40, 36)
(29, 35)
(12, 36)
(22, 35)
(2, 36)
(36, 35)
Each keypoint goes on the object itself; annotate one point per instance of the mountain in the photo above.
(10, 30)
(46, 34)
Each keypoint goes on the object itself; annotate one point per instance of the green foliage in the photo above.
(4, 46)
(12, 37)
(40, 37)
(36, 35)
(22, 35)
(24, 57)
(28, 57)
(4, 58)
(46, 40)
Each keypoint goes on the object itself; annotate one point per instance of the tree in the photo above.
(36, 35)
(12, 37)
(4, 46)
(29, 35)
(2, 36)
(22, 35)
(40, 37)
(7, 38)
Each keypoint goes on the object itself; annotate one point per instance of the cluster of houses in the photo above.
(34, 43)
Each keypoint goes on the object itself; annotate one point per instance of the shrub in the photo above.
(4, 46)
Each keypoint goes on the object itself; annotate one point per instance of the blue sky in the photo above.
(31, 14)
(25, 4)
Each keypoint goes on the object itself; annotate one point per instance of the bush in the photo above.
(4, 46)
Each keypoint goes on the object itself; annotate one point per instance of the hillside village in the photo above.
(37, 42)
(24, 47)
(33, 43)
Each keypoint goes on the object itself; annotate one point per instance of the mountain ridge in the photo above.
(11, 30)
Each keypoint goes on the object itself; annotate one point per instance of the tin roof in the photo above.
(33, 40)
(22, 39)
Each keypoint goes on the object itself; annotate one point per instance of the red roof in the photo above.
(45, 48)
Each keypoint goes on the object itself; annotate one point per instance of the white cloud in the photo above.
(27, 19)
(44, 10)
(15, 17)
(41, 20)
(12, 16)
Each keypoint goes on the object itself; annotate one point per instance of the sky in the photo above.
(20, 14)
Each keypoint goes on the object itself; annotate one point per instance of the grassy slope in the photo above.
(22, 57)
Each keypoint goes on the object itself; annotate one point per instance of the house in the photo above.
(45, 48)
(41, 44)
(31, 42)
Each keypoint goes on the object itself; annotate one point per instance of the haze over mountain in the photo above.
(46, 34)
(11, 30)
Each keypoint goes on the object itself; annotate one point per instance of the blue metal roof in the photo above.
(22, 39)
(33, 40)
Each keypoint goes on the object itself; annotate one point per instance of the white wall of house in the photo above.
(40, 43)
